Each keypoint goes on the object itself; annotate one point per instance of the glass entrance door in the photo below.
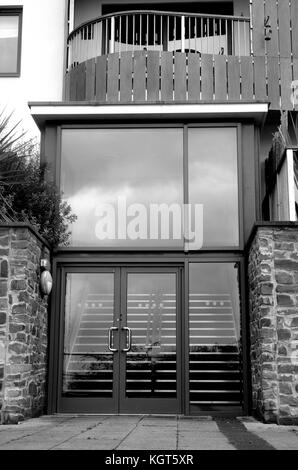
(150, 379)
(120, 344)
(91, 335)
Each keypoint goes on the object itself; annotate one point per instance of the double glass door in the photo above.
(120, 348)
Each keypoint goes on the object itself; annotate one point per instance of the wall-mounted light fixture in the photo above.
(46, 280)
(268, 29)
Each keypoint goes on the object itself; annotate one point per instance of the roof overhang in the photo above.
(79, 112)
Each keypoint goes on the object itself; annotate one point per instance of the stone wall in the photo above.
(23, 324)
(273, 306)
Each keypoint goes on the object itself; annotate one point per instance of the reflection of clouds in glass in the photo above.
(113, 157)
(99, 166)
(213, 182)
(146, 166)
(85, 202)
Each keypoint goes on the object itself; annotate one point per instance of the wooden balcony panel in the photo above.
(139, 83)
(169, 77)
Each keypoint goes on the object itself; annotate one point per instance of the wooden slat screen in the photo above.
(194, 78)
(247, 79)
(180, 76)
(220, 65)
(100, 78)
(272, 45)
(167, 77)
(284, 15)
(207, 77)
(279, 52)
(258, 18)
(139, 81)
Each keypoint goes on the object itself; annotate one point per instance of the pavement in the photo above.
(146, 432)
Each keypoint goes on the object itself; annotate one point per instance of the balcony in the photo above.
(162, 57)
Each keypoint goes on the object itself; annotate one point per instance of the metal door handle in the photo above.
(111, 338)
(128, 344)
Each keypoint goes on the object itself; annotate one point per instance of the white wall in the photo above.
(42, 58)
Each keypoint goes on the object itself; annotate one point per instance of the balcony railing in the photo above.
(159, 31)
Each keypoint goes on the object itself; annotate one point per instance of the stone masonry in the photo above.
(273, 305)
(23, 324)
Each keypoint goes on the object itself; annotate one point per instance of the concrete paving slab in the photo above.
(145, 432)
(206, 426)
(106, 434)
(279, 436)
(90, 444)
(49, 435)
(158, 423)
(149, 438)
(207, 446)
(202, 440)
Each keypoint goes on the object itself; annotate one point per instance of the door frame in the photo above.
(148, 405)
(56, 336)
(62, 260)
(87, 404)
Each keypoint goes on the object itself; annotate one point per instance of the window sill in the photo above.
(8, 74)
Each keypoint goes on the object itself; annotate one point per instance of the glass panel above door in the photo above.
(89, 316)
(140, 188)
(114, 179)
(213, 182)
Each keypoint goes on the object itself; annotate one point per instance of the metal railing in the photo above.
(159, 31)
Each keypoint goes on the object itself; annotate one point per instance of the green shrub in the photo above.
(27, 193)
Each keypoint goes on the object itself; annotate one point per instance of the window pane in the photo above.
(213, 182)
(99, 166)
(9, 28)
(151, 317)
(89, 312)
(214, 335)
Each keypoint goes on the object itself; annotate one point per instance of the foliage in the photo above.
(287, 133)
(27, 193)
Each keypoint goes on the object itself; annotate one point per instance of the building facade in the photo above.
(177, 293)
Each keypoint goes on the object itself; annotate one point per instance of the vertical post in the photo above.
(239, 41)
(213, 35)
(69, 52)
(147, 33)
(182, 33)
(140, 31)
(291, 186)
(167, 42)
(71, 16)
(196, 33)
(120, 34)
(233, 51)
(161, 33)
(244, 34)
(106, 27)
(126, 34)
(133, 31)
(112, 49)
